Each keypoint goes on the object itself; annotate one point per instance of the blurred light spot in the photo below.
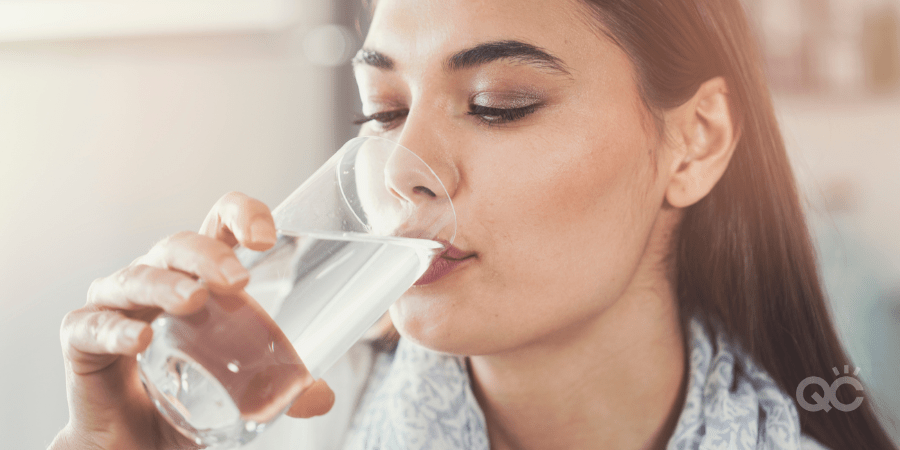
(329, 45)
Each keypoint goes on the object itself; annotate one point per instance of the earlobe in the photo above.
(707, 139)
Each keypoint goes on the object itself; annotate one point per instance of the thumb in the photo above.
(315, 401)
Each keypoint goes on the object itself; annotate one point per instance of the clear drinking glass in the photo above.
(351, 240)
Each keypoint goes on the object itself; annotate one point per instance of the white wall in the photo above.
(107, 146)
(846, 154)
(854, 142)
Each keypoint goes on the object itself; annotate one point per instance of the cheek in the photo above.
(559, 215)
(566, 203)
(558, 233)
(570, 221)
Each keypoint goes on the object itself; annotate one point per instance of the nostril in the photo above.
(424, 190)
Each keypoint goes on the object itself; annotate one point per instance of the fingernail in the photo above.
(261, 232)
(186, 288)
(234, 272)
(133, 331)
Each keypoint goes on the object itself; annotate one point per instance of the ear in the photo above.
(702, 139)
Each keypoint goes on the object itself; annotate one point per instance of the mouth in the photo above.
(444, 263)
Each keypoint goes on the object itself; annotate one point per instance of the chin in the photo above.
(441, 331)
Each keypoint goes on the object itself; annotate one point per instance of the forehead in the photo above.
(413, 31)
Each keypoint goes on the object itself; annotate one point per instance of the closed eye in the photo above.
(488, 115)
(387, 119)
(499, 116)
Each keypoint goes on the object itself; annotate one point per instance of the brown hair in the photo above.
(744, 256)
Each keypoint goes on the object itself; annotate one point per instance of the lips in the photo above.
(443, 264)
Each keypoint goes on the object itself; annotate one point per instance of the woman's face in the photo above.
(534, 123)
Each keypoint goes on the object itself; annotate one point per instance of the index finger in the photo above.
(140, 286)
(239, 219)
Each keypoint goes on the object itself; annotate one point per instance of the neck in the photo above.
(614, 381)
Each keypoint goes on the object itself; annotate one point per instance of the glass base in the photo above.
(194, 402)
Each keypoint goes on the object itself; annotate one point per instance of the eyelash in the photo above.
(499, 116)
(388, 119)
(487, 115)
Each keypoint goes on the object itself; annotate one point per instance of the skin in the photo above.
(108, 408)
(565, 304)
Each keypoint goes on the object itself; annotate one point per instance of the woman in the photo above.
(635, 270)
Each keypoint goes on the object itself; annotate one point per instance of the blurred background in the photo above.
(123, 122)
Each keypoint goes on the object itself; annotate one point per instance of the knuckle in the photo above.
(212, 251)
(66, 327)
(133, 279)
(94, 289)
(162, 253)
(93, 324)
(207, 266)
(239, 205)
(233, 197)
(137, 272)
(98, 327)
(83, 329)
(162, 249)
(231, 201)
(179, 237)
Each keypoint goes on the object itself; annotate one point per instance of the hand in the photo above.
(108, 407)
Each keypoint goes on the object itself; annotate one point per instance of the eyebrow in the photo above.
(374, 59)
(516, 51)
(479, 55)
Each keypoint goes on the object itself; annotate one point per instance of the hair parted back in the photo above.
(744, 257)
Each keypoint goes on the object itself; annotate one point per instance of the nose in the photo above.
(424, 133)
(420, 175)
(424, 200)
(410, 179)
